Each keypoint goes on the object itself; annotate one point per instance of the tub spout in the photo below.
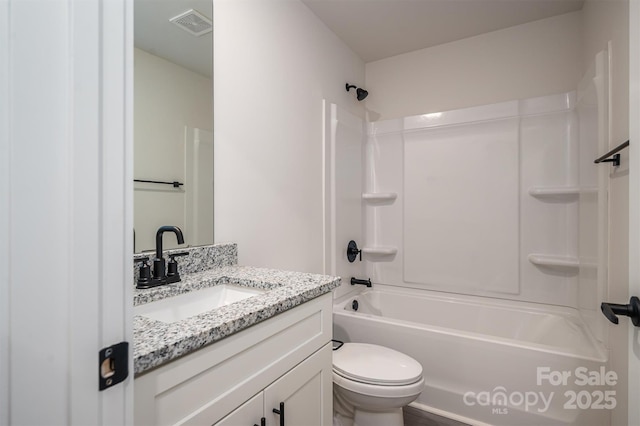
(355, 281)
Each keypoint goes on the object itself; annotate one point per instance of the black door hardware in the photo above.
(113, 365)
(632, 310)
(353, 252)
(263, 422)
(355, 281)
(280, 412)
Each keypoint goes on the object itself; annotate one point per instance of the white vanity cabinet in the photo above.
(302, 394)
(242, 378)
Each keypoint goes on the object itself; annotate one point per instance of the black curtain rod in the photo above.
(175, 184)
(614, 152)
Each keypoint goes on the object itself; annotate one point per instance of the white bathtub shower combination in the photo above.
(475, 348)
(483, 231)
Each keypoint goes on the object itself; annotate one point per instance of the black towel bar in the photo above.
(614, 154)
(175, 184)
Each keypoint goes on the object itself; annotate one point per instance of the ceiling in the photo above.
(377, 29)
(155, 34)
(374, 29)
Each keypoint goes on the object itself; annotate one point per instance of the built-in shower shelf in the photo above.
(559, 191)
(379, 197)
(550, 260)
(380, 251)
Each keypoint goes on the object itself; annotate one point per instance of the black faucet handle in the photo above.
(172, 269)
(144, 276)
(172, 256)
(173, 275)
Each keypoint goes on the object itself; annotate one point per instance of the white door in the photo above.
(65, 208)
(634, 205)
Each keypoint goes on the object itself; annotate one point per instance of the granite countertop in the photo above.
(156, 342)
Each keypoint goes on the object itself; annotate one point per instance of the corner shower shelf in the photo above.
(379, 197)
(558, 261)
(559, 191)
(380, 251)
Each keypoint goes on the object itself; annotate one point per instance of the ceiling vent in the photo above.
(193, 22)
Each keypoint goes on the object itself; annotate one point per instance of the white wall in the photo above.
(167, 98)
(274, 63)
(605, 21)
(529, 60)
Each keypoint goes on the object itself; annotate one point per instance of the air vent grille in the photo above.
(193, 22)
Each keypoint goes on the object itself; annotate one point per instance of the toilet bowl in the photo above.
(372, 383)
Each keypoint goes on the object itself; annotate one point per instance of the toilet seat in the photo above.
(399, 391)
(375, 365)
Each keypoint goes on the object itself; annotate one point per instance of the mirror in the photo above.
(173, 121)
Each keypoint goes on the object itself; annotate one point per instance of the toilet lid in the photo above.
(375, 364)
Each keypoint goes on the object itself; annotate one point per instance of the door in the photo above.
(249, 413)
(303, 395)
(634, 205)
(65, 208)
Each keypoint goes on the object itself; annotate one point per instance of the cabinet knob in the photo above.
(280, 412)
(263, 422)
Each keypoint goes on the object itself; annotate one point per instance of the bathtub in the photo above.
(488, 361)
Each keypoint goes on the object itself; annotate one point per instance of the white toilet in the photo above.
(372, 383)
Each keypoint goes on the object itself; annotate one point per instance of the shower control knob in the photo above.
(353, 251)
(632, 310)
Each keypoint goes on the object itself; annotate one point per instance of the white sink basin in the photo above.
(195, 303)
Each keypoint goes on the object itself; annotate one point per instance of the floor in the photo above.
(415, 417)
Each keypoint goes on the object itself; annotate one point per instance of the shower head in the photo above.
(361, 94)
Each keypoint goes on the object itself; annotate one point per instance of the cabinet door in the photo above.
(248, 414)
(306, 392)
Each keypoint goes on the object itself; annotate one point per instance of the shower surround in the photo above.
(486, 200)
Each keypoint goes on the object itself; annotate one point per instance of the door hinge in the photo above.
(113, 366)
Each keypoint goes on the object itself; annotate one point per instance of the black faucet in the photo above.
(159, 267)
(162, 273)
(161, 231)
